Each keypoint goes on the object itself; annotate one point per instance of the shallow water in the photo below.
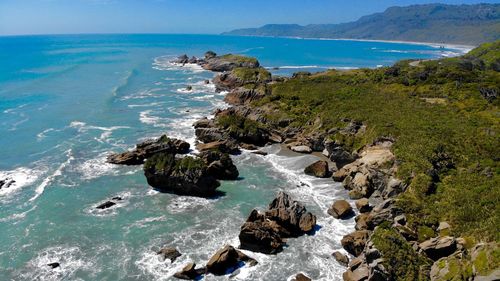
(67, 101)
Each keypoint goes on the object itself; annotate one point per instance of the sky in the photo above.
(181, 16)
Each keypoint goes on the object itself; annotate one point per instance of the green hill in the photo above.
(458, 24)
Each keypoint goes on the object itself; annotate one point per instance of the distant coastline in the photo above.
(460, 47)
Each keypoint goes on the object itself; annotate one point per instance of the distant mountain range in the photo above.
(439, 23)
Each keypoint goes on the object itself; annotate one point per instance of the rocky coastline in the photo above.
(369, 174)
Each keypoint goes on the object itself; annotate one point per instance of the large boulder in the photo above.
(189, 272)
(181, 59)
(265, 232)
(301, 149)
(436, 248)
(221, 146)
(183, 176)
(226, 260)
(355, 242)
(341, 258)
(220, 165)
(341, 209)
(149, 148)
(169, 253)
(318, 169)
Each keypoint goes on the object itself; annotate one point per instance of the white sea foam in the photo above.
(111, 211)
(71, 259)
(18, 178)
(44, 133)
(58, 172)
(97, 167)
(164, 63)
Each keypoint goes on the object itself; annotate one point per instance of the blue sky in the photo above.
(180, 16)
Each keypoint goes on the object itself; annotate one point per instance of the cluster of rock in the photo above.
(262, 232)
(224, 261)
(6, 183)
(266, 232)
(166, 171)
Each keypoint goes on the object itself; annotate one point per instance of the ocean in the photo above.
(67, 101)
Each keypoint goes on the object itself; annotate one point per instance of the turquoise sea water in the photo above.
(67, 101)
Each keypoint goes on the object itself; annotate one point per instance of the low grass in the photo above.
(239, 59)
(252, 75)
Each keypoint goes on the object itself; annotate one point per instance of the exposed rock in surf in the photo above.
(318, 169)
(301, 277)
(220, 165)
(147, 149)
(106, 205)
(341, 209)
(181, 59)
(189, 88)
(226, 260)
(169, 253)
(189, 272)
(6, 183)
(182, 176)
(54, 265)
(341, 258)
(264, 232)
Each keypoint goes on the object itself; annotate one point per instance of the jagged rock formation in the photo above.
(265, 232)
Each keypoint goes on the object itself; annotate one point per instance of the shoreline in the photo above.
(463, 48)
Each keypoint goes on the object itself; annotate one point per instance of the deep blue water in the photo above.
(67, 101)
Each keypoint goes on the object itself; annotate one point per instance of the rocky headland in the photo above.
(395, 238)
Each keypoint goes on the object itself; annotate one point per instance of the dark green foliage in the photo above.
(189, 163)
(252, 75)
(239, 59)
(238, 125)
(401, 260)
(160, 162)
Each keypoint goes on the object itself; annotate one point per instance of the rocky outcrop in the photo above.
(147, 149)
(227, 62)
(363, 205)
(354, 243)
(189, 272)
(242, 96)
(341, 209)
(439, 247)
(221, 146)
(169, 253)
(318, 169)
(220, 165)
(371, 174)
(264, 232)
(226, 260)
(182, 176)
